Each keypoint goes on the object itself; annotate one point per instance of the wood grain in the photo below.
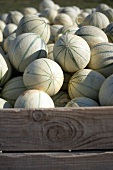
(56, 129)
(57, 161)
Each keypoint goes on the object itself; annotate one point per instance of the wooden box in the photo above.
(56, 139)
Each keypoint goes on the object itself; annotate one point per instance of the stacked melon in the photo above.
(56, 57)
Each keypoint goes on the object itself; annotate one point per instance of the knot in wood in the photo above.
(58, 131)
(38, 115)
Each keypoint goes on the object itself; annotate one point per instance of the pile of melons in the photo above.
(56, 57)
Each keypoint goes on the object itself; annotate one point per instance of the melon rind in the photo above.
(44, 74)
(34, 99)
(85, 83)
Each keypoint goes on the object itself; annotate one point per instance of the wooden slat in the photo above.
(56, 129)
(57, 161)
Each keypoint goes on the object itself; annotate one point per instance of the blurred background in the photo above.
(8, 5)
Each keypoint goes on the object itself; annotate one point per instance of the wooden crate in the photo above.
(41, 139)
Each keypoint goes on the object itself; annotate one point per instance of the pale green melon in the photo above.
(26, 48)
(96, 19)
(2, 25)
(93, 35)
(102, 58)
(34, 24)
(1, 36)
(44, 74)
(109, 14)
(58, 36)
(109, 32)
(7, 42)
(102, 7)
(54, 29)
(12, 89)
(9, 29)
(57, 7)
(82, 102)
(71, 52)
(4, 104)
(3, 69)
(34, 99)
(50, 14)
(106, 92)
(14, 17)
(85, 83)
(50, 51)
(8, 73)
(61, 99)
(63, 19)
(68, 29)
(80, 18)
(88, 10)
(77, 9)
(29, 10)
(70, 11)
(46, 4)
(4, 17)
(45, 20)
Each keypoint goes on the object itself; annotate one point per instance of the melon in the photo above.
(50, 51)
(45, 20)
(8, 73)
(58, 36)
(12, 89)
(54, 29)
(9, 29)
(34, 99)
(44, 74)
(102, 58)
(50, 14)
(61, 99)
(14, 17)
(1, 36)
(69, 11)
(3, 70)
(57, 7)
(85, 83)
(4, 17)
(71, 52)
(88, 10)
(7, 42)
(4, 104)
(80, 18)
(93, 35)
(63, 19)
(96, 19)
(77, 9)
(102, 7)
(29, 10)
(2, 25)
(46, 4)
(109, 14)
(68, 29)
(26, 48)
(34, 24)
(106, 92)
(109, 32)
(82, 102)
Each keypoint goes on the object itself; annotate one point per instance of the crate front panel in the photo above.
(56, 129)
